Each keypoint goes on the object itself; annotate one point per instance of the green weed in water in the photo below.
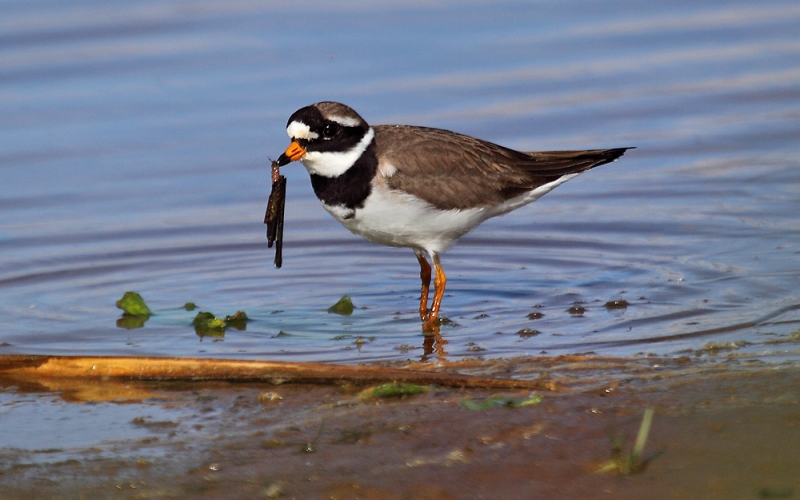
(631, 462)
(392, 390)
(776, 492)
(238, 320)
(498, 401)
(344, 307)
(133, 304)
(206, 324)
(135, 311)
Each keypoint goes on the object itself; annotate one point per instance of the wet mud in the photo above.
(720, 431)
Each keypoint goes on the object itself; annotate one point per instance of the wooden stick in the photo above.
(198, 369)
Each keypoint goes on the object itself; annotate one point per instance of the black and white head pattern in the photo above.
(333, 135)
(340, 153)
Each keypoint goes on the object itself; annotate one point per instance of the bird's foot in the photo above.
(431, 325)
(424, 314)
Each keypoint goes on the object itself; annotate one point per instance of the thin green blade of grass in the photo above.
(628, 463)
(644, 432)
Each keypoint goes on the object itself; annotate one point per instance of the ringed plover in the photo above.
(420, 187)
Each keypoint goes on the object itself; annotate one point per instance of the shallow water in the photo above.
(134, 152)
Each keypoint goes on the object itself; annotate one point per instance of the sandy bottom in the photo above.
(722, 432)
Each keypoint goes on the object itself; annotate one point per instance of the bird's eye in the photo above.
(330, 130)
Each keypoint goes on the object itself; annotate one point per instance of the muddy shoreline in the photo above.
(724, 431)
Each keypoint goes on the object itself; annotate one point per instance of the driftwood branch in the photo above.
(199, 369)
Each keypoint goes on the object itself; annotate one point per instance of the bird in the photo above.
(419, 187)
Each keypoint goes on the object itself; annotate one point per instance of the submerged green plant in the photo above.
(134, 311)
(238, 320)
(498, 401)
(206, 324)
(344, 307)
(631, 462)
(392, 390)
(776, 492)
(133, 304)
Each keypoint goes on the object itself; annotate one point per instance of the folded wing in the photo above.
(455, 171)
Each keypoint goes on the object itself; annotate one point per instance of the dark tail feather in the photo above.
(558, 163)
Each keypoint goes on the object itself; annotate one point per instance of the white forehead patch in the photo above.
(345, 121)
(299, 130)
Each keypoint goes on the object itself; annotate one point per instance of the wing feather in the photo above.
(455, 171)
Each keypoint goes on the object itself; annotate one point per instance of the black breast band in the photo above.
(352, 187)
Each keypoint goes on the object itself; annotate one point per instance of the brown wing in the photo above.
(455, 171)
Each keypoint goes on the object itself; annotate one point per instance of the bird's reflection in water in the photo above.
(433, 343)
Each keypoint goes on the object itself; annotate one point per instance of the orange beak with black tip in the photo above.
(293, 153)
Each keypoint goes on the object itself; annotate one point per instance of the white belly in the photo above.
(397, 219)
(401, 220)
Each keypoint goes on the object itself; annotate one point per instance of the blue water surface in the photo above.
(134, 155)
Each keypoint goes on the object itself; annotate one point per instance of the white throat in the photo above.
(333, 164)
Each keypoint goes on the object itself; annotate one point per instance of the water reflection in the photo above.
(433, 347)
(129, 322)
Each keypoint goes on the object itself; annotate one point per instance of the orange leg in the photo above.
(425, 277)
(439, 282)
